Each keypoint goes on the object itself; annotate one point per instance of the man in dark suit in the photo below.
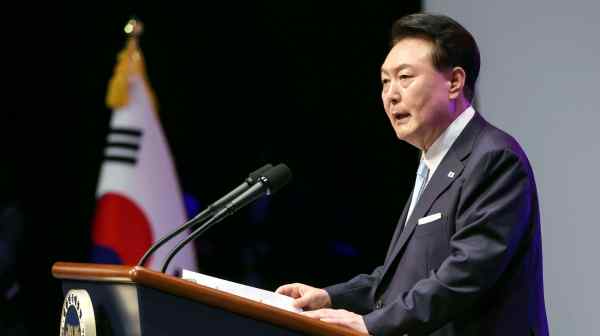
(466, 256)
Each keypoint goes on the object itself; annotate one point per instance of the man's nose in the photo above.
(392, 95)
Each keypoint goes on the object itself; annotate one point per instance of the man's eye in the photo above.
(404, 76)
(385, 81)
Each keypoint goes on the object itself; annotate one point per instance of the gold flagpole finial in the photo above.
(129, 62)
(134, 28)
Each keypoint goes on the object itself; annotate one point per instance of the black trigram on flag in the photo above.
(123, 145)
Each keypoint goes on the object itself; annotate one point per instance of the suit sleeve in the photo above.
(355, 294)
(492, 217)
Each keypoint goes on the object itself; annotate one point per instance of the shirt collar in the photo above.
(434, 155)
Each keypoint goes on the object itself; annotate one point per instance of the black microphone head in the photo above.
(276, 177)
(255, 175)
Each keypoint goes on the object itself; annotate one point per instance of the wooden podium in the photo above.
(133, 300)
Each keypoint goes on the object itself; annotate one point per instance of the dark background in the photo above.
(238, 85)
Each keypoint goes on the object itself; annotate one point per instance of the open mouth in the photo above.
(401, 116)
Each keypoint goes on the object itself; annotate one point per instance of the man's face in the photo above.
(415, 95)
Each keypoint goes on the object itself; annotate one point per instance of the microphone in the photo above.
(209, 211)
(271, 181)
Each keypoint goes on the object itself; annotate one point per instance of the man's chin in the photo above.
(407, 137)
(403, 134)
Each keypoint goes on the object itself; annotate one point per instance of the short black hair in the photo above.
(453, 45)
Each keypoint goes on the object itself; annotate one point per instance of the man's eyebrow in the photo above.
(395, 69)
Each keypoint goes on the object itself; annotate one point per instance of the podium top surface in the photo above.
(138, 275)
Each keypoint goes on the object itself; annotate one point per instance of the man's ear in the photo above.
(457, 82)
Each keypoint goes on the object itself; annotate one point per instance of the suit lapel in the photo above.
(435, 187)
(399, 227)
(447, 172)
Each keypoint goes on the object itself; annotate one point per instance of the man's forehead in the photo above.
(407, 52)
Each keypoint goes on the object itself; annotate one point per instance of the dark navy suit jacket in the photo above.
(477, 270)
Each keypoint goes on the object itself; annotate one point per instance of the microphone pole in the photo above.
(273, 180)
(209, 211)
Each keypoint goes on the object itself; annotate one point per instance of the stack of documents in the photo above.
(248, 292)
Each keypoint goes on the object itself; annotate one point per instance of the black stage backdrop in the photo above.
(238, 85)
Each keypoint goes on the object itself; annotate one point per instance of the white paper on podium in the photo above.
(248, 292)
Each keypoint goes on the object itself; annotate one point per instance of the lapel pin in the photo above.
(451, 174)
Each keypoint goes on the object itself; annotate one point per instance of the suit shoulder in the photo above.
(494, 140)
(497, 145)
